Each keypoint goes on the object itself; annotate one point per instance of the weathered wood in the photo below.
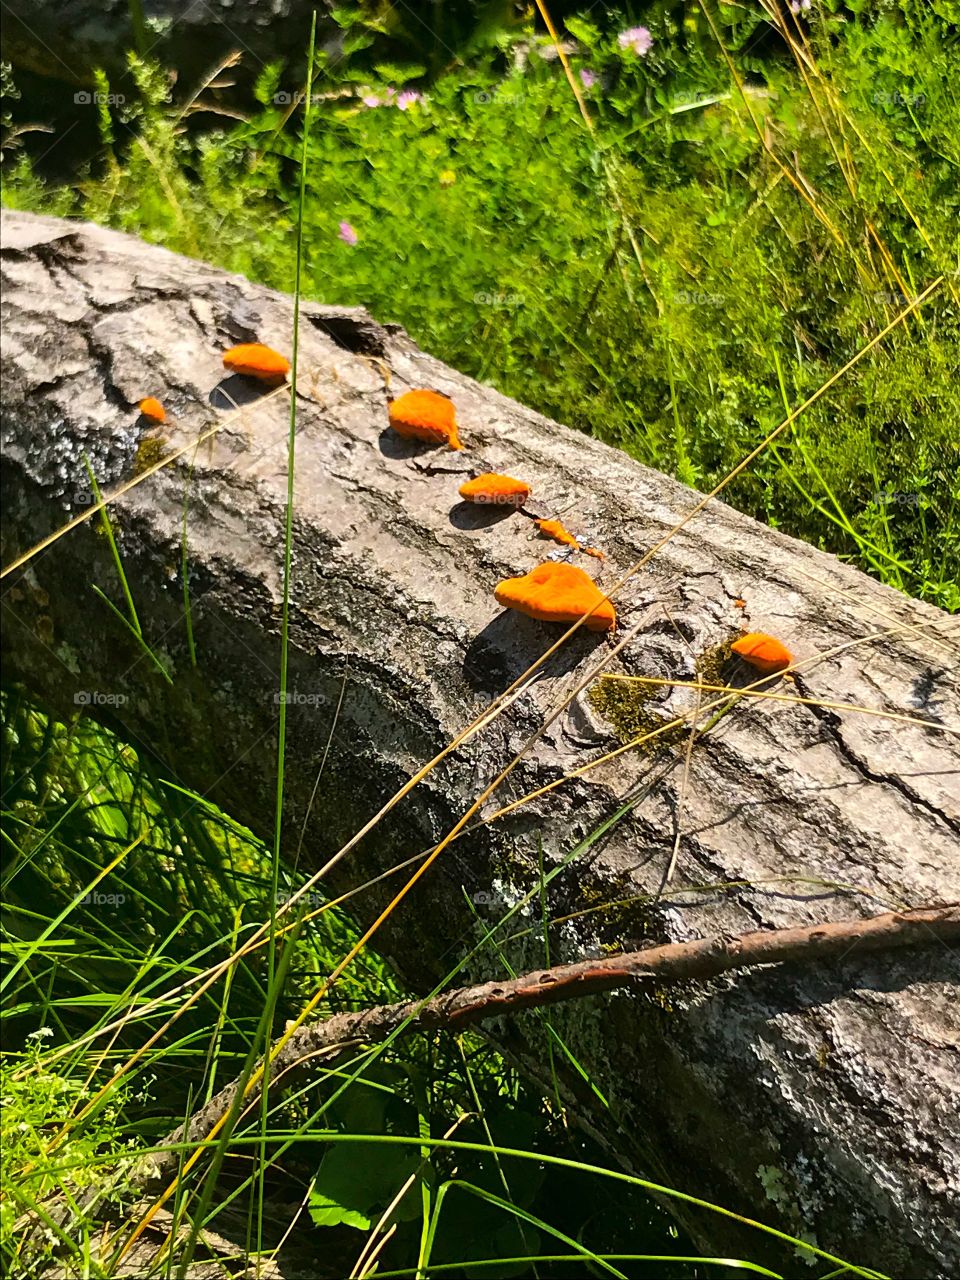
(834, 1094)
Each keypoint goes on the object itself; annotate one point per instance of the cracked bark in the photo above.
(838, 1089)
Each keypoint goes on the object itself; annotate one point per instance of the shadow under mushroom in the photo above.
(236, 390)
(471, 516)
(509, 644)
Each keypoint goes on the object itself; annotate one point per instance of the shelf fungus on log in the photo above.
(254, 360)
(153, 410)
(427, 416)
(762, 652)
(556, 592)
(493, 489)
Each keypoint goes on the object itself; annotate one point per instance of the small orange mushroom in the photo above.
(152, 410)
(254, 360)
(557, 592)
(427, 416)
(555, 530)
(560, 533)
(763, 652)
(495, 489)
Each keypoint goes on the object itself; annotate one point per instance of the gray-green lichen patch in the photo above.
(774, 1185)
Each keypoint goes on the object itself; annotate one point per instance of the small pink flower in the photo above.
(371, 100)
(638, 39)
(408, 98)
(588, 78)
(347, 234)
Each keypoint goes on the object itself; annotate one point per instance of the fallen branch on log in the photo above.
(452, 1011)
(675, 962)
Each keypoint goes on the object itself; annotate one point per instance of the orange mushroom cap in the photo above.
(556, 592)
(496, 489)
(555, 530)
(152, 408)
(763, 652)
(254, 360)
(425, 415)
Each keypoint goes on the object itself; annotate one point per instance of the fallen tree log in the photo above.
(830, 1098)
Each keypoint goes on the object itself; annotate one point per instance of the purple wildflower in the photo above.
(347, 234)
(588, 78)
(408, 99)
(371, 100)
(638, 39)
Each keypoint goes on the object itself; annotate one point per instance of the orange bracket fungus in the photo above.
(763, 652)
(254, 360)
(495, 489)
(152, 410)
(427, 416)
(557, 592)
(560, 533)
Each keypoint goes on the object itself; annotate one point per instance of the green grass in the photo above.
(182, 901)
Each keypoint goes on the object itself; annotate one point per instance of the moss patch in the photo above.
(713, 664)
(151, 450)
(626, 706)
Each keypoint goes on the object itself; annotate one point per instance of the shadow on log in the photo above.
(827, 1097)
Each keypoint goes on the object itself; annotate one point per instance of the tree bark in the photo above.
(828, 1098)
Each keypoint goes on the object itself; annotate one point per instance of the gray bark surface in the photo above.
(824, 1101)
